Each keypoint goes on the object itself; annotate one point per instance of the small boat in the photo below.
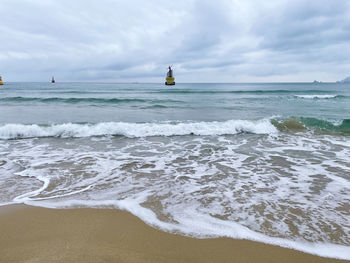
(170, 80)
(53, 80)
(1, 83)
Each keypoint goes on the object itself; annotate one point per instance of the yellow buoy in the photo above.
(170, 80)
(1, 83)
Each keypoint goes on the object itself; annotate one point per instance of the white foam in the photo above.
(203, 186)
(26, 196)
(10, 131)
(324, 96)
(199, 225)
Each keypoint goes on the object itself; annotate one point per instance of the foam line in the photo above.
(205, 226)
(325, 96)
(13, 131)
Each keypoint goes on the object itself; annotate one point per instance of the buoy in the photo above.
(1, 83)
(170, 80)
(53, 80)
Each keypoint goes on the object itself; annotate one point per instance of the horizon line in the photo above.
(137, 82)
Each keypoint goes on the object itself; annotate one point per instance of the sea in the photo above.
(267, 162)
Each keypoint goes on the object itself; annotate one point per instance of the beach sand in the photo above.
(32, 234)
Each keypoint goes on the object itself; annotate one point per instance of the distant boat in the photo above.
(1, 83)
(53, 80)
(170, 80)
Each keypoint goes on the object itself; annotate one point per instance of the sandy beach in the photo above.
(178, 131)
(32, 234)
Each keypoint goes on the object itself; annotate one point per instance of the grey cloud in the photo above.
(226, 40)
(305, 24)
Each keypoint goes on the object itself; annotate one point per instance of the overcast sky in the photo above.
(204, 40)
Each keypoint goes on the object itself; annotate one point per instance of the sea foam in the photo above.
(199, 225)
(324, 96)
(13, 131)
(205, 186)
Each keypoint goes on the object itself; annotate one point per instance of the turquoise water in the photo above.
(265, 162)
(44, 103)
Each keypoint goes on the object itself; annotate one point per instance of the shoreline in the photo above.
(35, 234)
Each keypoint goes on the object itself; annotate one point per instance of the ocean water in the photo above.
(264, 162)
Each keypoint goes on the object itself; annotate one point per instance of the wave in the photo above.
(303, 124)
(230, 127)
(272, 91)
(319, 96)
(84, 100)
(92, 100)
(16, 131)
(156, 106)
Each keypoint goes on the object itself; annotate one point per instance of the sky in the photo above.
(204, 40)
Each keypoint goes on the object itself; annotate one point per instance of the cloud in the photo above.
(221, 41)
(305, 24)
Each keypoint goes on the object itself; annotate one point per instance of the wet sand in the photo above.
(31, 234)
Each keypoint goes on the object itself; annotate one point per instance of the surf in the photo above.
(75, 130)
(300, 124)
(267, 126)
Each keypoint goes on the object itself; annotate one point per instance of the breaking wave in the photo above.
(319, 96)
(302, 124)
(132, 130)
(15, 131)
